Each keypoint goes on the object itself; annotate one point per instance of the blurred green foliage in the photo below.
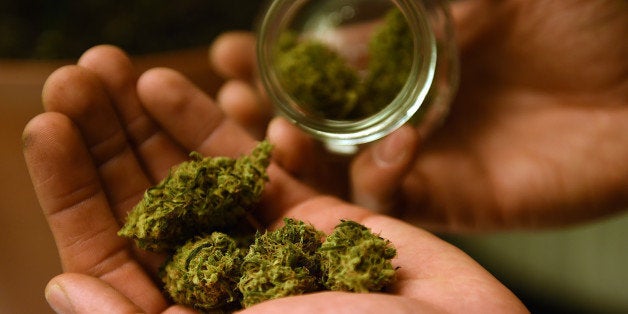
(52, 29)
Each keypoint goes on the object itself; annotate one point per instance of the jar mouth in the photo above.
(346, 132)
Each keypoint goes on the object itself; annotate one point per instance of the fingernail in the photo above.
(393, 148)
(58, 299)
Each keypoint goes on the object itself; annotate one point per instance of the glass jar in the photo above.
(348, 28)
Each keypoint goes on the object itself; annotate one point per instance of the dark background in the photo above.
(65, 28)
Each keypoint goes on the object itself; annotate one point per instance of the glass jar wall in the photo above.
(350, 72)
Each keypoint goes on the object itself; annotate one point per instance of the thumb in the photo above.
(378, 172)
(78, 293)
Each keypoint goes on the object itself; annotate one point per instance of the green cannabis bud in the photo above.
(391, 55)
(281, 263)
(318, 78)
(354, 259)
(219, 262)
(198, 196)
(204, 272)
(322, 81)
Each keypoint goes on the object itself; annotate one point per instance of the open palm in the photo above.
(96, 149)
(537, 135)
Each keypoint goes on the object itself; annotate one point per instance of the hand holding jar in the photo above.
(535, 136)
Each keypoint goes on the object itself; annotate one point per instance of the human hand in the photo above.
(536, 136)
(106, 136)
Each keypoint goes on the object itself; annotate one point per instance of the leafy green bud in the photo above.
(321, 81)
(198, 196)
(391, 55)
(354, 259)
(203, 273)
(281, 263)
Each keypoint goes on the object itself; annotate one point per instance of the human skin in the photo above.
(107, 135)
(537, 135)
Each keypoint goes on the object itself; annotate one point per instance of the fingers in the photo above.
(87, 104)
(103, 104)
(308, 160)
(117, 75)
(190, 116)
(294, 150)
(232, 55)
(242, 98)
(195, 121)
(70, 193)
(241, 103)
(377, 173)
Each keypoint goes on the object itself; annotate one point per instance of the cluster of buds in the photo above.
(216, 263)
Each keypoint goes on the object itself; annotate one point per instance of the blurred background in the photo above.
(579, 269)
(43, 29)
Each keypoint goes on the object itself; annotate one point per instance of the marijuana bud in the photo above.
(203, 273)
(219, 262)
(198, 196)
(391, 55)
(354, 259)
(322, 81)
(318, 78)
(281, 263)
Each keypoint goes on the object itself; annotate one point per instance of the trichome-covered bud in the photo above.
(391, 52)
(204, 272)
(281, 263)
(318, 78)
(198, 196)
(323, 82)
(352, 258)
